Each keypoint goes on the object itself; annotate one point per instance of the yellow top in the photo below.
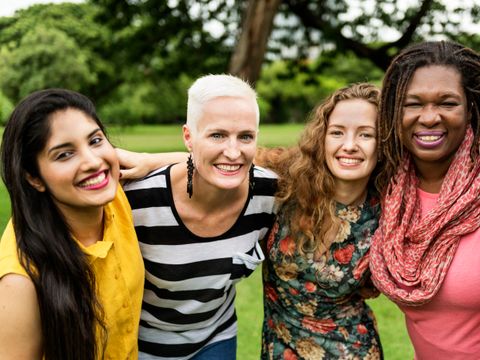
(119, 272)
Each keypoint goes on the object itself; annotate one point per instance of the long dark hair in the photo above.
(64, 282)
(395, 83)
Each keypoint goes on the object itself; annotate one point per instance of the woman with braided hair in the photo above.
(424, 255)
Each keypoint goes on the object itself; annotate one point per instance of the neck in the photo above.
(86, 226)
(431, 176)
(350, 193)
(205, 195)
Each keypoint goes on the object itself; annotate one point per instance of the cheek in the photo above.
(372, 151)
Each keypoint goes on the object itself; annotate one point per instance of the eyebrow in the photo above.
(67, 144)
(359, 127)
(443, 96)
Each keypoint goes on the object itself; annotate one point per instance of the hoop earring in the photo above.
(251, 180)
(190, 168)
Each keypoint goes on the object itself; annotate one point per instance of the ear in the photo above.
(36, 183)
(187, 137)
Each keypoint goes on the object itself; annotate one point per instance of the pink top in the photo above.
(448, 327)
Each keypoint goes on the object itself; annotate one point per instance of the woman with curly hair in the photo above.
(316, 274)
(317, 253)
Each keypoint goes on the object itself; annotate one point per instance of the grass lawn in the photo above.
(249, 299)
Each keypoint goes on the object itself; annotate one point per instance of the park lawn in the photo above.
(249, 298)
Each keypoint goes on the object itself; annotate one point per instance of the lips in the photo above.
(349, 161)
(228, 167)
(95, 181)
(429, 139)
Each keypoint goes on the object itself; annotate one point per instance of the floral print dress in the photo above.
(313, 308)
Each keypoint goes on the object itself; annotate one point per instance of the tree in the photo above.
(246, 61)
(155, 34)
(51, 46)
(357, 26)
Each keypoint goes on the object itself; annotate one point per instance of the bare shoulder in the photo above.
(20, 333)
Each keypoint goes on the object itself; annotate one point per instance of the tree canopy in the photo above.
(136, 58)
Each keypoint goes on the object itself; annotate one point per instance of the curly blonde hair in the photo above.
(306, 185)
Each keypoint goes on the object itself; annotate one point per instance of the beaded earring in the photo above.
(190, 168)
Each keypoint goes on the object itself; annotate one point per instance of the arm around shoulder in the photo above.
(20, 330)
(137, 165)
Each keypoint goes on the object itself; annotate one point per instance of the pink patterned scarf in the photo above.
(410, 256)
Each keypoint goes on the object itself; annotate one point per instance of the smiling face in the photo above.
(224, 143)
(78, 166)
(350, 141)
(435, 116)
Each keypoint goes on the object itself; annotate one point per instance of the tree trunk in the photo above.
(247, 58)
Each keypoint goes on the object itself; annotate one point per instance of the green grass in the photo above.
(249, 299)
(169, 137)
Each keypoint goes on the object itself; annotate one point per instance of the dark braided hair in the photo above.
(395, 83)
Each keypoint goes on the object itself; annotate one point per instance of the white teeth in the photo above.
(95, 180)
(226, 167)
(429, 137)
(350, 160)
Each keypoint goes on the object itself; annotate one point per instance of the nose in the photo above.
(429, 115)
(350, 143)
(90, 160)
(232, 149)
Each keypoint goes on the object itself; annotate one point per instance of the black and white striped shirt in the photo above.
(189, 293)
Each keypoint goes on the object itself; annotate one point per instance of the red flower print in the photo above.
(344, 255)
(362, 330)
(271, 294)
(288, 354)
(287, 246)
(310, 286)
(322, 326)
(293, 291)
(357, 344)
(270, 324)
(361, 267)
(271, 236)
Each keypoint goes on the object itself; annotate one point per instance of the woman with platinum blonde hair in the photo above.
(316, 273)
(199, 224)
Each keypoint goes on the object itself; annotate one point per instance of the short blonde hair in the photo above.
(210, 87)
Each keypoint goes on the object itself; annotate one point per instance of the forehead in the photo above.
(228, 112)
(435, 79)
(68, 125)
(353, 112)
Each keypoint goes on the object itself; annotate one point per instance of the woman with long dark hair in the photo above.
(71, 273)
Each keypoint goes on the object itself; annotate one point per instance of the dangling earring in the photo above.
(190, 168)
(251, 181)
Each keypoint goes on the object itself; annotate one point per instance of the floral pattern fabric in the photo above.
(313, 307)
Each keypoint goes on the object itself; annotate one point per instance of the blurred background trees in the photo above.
(136, 58)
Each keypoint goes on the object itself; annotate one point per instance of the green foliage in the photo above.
(293, 89)
(51, 46)
(6, 107)
(147, 102)
(45, 58)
